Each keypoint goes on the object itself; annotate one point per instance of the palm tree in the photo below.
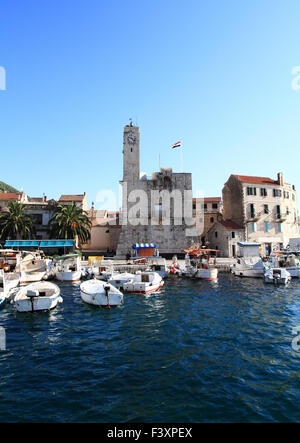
(15, 223)
(69, 222)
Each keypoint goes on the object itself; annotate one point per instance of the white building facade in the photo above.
(267, 209)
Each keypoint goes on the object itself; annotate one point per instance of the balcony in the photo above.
(253, 216)
(281, 217)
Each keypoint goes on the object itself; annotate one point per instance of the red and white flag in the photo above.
(176, 145)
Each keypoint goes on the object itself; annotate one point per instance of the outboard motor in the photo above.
(106, 289)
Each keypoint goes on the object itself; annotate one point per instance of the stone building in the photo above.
(225, 235)
(8, 197)
(42, 211)
(105, 233)
(265, 208)
(211, 211)
(148, 213)
(79, 200)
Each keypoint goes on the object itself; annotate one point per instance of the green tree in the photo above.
(69, 222)
(15, 223)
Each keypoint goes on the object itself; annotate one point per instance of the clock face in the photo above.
(131, 138)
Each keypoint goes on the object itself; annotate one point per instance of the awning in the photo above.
(56, 243)
(22, 243)
(39, 243)
(144, 245)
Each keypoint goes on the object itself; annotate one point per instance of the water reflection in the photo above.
(195, 351)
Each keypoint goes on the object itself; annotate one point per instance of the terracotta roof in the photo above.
(256, 180)
(5, 196)
(229, 224)
(71, 198)
(212, 199)
(208, 199)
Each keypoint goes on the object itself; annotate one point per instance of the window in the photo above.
(216, 234)
(293, 196)
(252, 210)
(267, 226)
(263, 192)
(215, 205)
(286, 194)
(233, 234)
(194, 205)
(278, 211)
(38, 219)
(279, 226)
(277, 193)
(266, 209)
(251, 191)
(205, 206)
(212, 219)
(253, 227)
(287, 211)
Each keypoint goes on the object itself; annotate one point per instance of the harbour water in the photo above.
(195, 352)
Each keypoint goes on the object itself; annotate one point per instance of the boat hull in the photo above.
(142, 288)
(201, 274)
(36, 304)
(93, 292)
(102, 299)
(254, 273)
(39, 302)
(31, 277)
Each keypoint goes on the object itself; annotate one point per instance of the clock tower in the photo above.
(131, 154)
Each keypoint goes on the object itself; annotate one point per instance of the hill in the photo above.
(6, 188)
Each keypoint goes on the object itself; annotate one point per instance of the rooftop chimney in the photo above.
(280, 178)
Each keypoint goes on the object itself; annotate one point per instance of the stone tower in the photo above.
(131, 154)
(169, 237)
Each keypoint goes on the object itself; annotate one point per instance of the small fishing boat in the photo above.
(118, 279)
(198, 264)
(99, 293)
(32, 266)
(40, 296)
(68, 268)
(277, 276)
(159, 265)
(289, 261)
(144, 283)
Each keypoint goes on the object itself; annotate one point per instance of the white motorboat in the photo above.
(118, 279)
(40, 296)
(289, 261)
(159, 265)
(68, 268)
(144, 283)
(248, 267)
(99, 293)
(198, 264)
(32, 266)
(277, 276)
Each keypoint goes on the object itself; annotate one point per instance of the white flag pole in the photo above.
(181, 165)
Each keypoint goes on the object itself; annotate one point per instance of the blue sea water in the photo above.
(198, 351)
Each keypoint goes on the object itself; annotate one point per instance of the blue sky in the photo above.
(216, 75)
